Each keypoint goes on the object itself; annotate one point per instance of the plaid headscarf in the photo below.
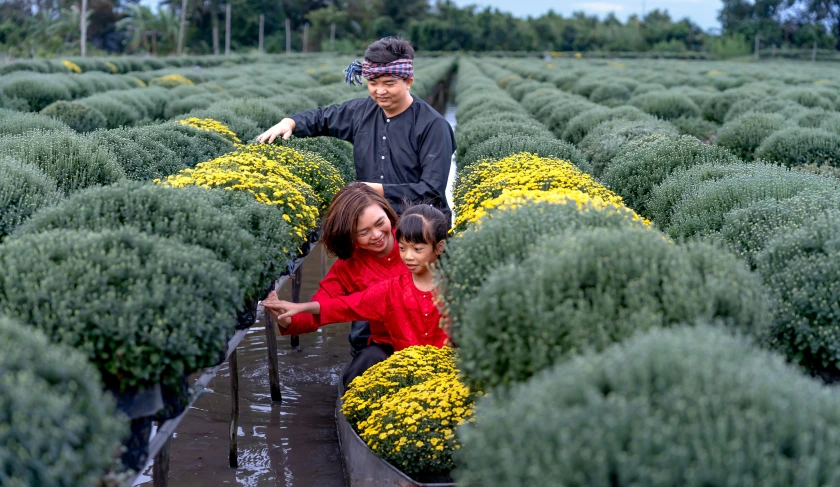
(401, 68)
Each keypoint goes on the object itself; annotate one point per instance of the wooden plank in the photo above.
(273, 372)
(161, 469)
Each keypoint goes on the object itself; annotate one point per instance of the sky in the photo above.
(701, 12)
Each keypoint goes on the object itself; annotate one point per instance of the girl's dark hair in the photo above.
(388, 50)
(423, 224)
(338, 230)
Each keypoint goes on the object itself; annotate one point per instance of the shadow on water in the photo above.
(293, 443)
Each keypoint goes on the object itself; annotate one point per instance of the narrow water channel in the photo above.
(289, 444)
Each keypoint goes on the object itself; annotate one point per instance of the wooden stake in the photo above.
(262, 32)
(271, 341)
(297, 278)
(182, 27)
(160, 470)
(227, 29)
(83, 28)
(233, 456)
(288, 36)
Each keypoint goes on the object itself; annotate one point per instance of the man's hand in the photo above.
(283, 129)
(378, 188)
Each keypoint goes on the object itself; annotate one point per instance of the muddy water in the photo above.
(292, 443)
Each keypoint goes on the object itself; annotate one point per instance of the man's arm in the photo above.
(334, 121)
(435, 155)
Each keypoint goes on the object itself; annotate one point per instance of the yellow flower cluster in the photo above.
(210, 125)
(407, 367)
(511, 199)
(171, 81)
(414, 428)
(269, 181)
(139, 81)
(111, 66)
(488, 179)
(313, 169)
(73, 67)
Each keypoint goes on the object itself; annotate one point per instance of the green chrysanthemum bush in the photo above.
(57, 428)
(337, 152)
(16, 123)
(646, 162)
(404, 368)
(814, 117)
(78, 116)
(505, 235)
(801, 268)
(611, 94)
(206, 144)
(37, 90)
(716, 107)
(24, 190)
(798, 146)
(167, 212)
(695, 127)
(604, 142)
(745, 134)
(684, 406)
(581, 124)
(243, 126)
(665, 196)
(479, 130)
(73, 161)
(701, 211)
(141, 158)
(590, 288)
(787, 108)
(807, 97)
(746, 231)
(110, 295)
(559, 118)
(666, 105)
(505, 145)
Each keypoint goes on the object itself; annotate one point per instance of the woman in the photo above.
(359, 229)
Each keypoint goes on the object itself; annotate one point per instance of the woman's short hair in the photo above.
(388, 50)
(338, 229)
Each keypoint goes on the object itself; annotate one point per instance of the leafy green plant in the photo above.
(745, 134)
(16, 123)
(666, 105)
(24, 190)
(797, 146)
(78, 116)
(604, 142)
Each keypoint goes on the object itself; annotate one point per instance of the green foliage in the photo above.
(590, 288)
(796, 146)
(640, 413)
(814, 117)
(745, 134)
(746, 231)
(603, 142)
(71, 160)
(701, 211)
(479, 130)
(24, 189)
(16, 123)
(166, 212)
(683, 181)
(611, 94)
(716, 107)
(244, 127)
(59, 429)
(559, 118)
(666, 105)
(703, 130)
(580, 125)
(263, 113)
(801, 268)
(78, 116)
(786, 108)
(506, 236)
(504, 145)
(807, 97)
(646, 162)
(141, 158)
(38, 91)
(142, 308)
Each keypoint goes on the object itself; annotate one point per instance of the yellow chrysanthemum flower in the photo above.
(73, 67)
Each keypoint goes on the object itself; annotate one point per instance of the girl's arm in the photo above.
(331, 286)
(370, 304)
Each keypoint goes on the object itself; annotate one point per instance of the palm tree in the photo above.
(139, 22)
(167, 24)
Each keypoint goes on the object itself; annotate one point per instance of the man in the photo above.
(402, 147)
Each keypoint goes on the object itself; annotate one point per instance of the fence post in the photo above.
(160, 470)
(271, 340)
(297, 277)
(288, 36)
(227, 29)
(233, 457)
(262, 31)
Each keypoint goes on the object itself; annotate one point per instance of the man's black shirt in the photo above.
(409, 154)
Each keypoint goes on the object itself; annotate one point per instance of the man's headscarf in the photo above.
(401, 68)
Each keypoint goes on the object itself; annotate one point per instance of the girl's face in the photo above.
(373, 231)
(419, 257)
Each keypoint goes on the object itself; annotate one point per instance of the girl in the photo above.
(404, 304)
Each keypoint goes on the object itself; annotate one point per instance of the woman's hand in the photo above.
(282, 311)
(283, 129)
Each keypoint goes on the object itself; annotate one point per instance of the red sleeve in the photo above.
(369, 304)
(331, 286)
